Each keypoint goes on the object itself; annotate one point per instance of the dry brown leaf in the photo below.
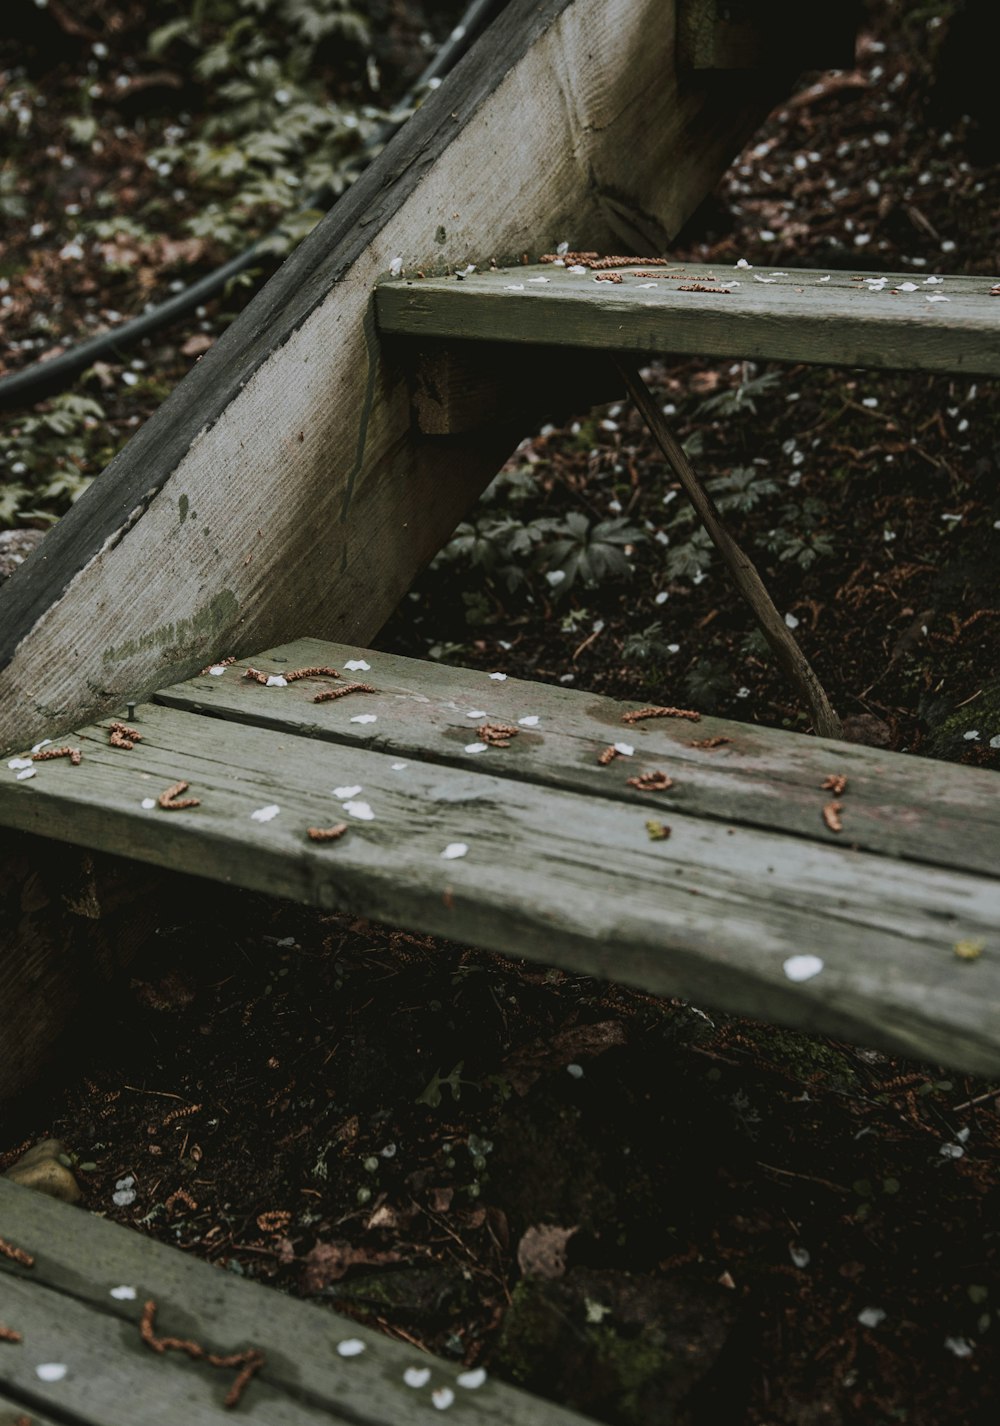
(527, 1064)
(328, 1262)
(542, 1250)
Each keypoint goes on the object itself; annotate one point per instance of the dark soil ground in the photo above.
(646, 1210)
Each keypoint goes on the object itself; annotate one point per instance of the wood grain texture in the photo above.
(833, 318)
(900, 807)
(281, 488)
(65, 1312)
(13, 1414)
(565, 877)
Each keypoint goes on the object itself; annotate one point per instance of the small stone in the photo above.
(41, 1169)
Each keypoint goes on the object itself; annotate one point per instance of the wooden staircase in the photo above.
(293, 486)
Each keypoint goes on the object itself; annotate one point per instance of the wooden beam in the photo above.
(810, 315)
(458, 388)
(281, 488)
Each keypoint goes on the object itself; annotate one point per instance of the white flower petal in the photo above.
(538, 279)
(343, 793)
(799, 1256)
(959, 1346)
(454, 850)
(802, 967)
(265, 814)
(148, 803)
(498, 677)
(514, 287)
(396, 267)
(15, 763)
(417, 1376)
(625, 749)
(443, 1397)
(937, 297)
(124, 1294)
(51, 1371)
(350, 1347)
(476, 713)
(475, 747)
(791, 621)
(530, 721)
(575, 1071)
(742, 262)
(43, 744)
(472, 1380)
(275, 680)
(365, 718)
(555, 576)
(398, 767)
(361, 811)
(217, 670)
(871, 1316)
(357, 666)
(25, 774)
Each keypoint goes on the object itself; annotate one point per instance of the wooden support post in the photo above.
(764, 34)
(458, 387)
(738, 562)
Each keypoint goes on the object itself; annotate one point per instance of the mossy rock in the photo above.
(947, 739)
(626, 1349)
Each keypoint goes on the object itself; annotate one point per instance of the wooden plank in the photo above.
(66, 1314)
(711, 914)
(901, 807)
(751, 34)
(204, 531)
(808, 315)
(12, 1413)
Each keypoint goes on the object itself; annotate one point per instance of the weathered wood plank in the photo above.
(66, 1314)
(711, 913)
(809, 315)
(12, 1413)
(900, 807)
(282, 489)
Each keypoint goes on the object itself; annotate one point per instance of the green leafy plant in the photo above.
(589, 551)
(736, 400)
(799, 535)
(50, 458)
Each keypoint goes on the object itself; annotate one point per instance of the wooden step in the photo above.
(562, 861)
(912, 323)
(66, 1315)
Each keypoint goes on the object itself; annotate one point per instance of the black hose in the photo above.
(50, 374)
